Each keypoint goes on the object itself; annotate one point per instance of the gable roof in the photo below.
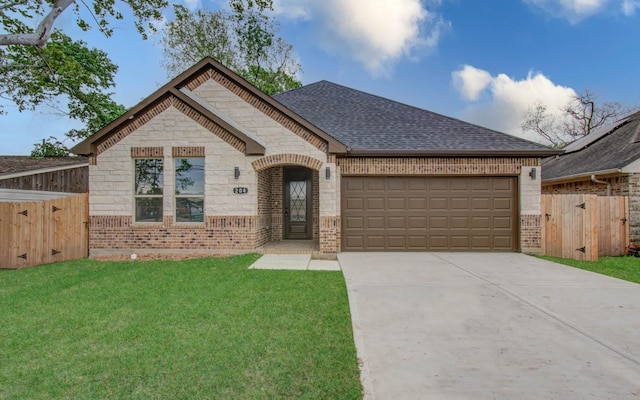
(173, 89)
(607, 152)
(373, 125)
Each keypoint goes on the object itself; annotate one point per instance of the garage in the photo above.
(395, 213)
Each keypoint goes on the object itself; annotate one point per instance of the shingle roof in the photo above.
(367, 122)
(616, 149)
(12, 164)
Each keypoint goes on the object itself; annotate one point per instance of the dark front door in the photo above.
(297, 203)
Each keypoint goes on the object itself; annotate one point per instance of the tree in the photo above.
(44, 66)
(65, 71)
(243, 39)
(578, 118)
(14, 13)
(50, 147)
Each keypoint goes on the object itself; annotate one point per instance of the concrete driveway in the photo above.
(491, 326)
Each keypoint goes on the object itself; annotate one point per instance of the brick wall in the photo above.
(276, 204)
(528, 190)
(530, 233)
(316, 205)
(330, 238)
(264, 208)
(634, 208)
(619, 187)
(217, 233)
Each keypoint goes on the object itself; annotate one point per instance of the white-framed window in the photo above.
(148, 189)
(189, 189)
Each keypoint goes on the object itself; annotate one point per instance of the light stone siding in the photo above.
(277, 139)
(111, 183)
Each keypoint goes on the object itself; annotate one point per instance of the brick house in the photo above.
(606, 162)
(208, 163)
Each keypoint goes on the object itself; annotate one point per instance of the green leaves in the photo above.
(244, 40)
(37, 69)
(66, 75)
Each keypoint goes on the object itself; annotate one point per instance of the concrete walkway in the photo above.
(294, 262)
(491, 326)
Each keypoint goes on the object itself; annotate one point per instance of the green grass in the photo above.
(194, 329)
(627, 268)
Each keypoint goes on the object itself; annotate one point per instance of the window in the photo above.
(148, 189)
(189, 189)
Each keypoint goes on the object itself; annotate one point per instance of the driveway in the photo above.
(491, 326)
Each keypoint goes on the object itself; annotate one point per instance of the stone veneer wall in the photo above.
(232, 222)
(528, 190)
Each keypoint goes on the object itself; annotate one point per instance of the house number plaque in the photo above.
(240, 190)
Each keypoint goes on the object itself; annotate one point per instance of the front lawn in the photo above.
(194, 329)
(627, 268)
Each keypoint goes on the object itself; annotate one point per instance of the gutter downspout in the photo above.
(593, 179)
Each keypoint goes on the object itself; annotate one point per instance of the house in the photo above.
(52, 174)
(208, 163)
(606, 162)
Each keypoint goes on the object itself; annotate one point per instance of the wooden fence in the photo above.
(585, 226)
(34, 233)
(72, 179)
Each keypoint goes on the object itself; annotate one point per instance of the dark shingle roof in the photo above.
(614, 150)
(13, 164)
(364, 121)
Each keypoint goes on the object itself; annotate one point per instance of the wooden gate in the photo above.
(584, 226)
(34, 233)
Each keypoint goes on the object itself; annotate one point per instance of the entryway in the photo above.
(298, 203)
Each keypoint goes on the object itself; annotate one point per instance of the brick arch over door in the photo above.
(275, 160)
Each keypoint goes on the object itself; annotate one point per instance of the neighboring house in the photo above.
(52, 174)
(606, 162)
(208, 163)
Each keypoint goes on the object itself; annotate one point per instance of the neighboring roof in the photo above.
(174, 87)
(585, 141)
(14, 195)
(606, 153)
(371, 125)
(18, 164)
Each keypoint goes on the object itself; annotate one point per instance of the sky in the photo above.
(485, 62)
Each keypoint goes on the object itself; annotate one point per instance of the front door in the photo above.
(297, 203)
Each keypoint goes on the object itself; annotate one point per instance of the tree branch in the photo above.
(40, 36)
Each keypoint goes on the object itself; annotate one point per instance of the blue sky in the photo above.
(481, 61)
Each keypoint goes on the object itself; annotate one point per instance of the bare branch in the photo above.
(40, 36)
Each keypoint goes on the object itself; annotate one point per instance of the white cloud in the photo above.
(507, 100)
(573, 10)
(471, 81)
(629, 7)
(376, 33)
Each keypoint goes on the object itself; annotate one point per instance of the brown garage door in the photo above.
(429, 213)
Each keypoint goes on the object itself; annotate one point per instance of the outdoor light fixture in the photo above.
(532, 174)
(327, 173)
(236, 172)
